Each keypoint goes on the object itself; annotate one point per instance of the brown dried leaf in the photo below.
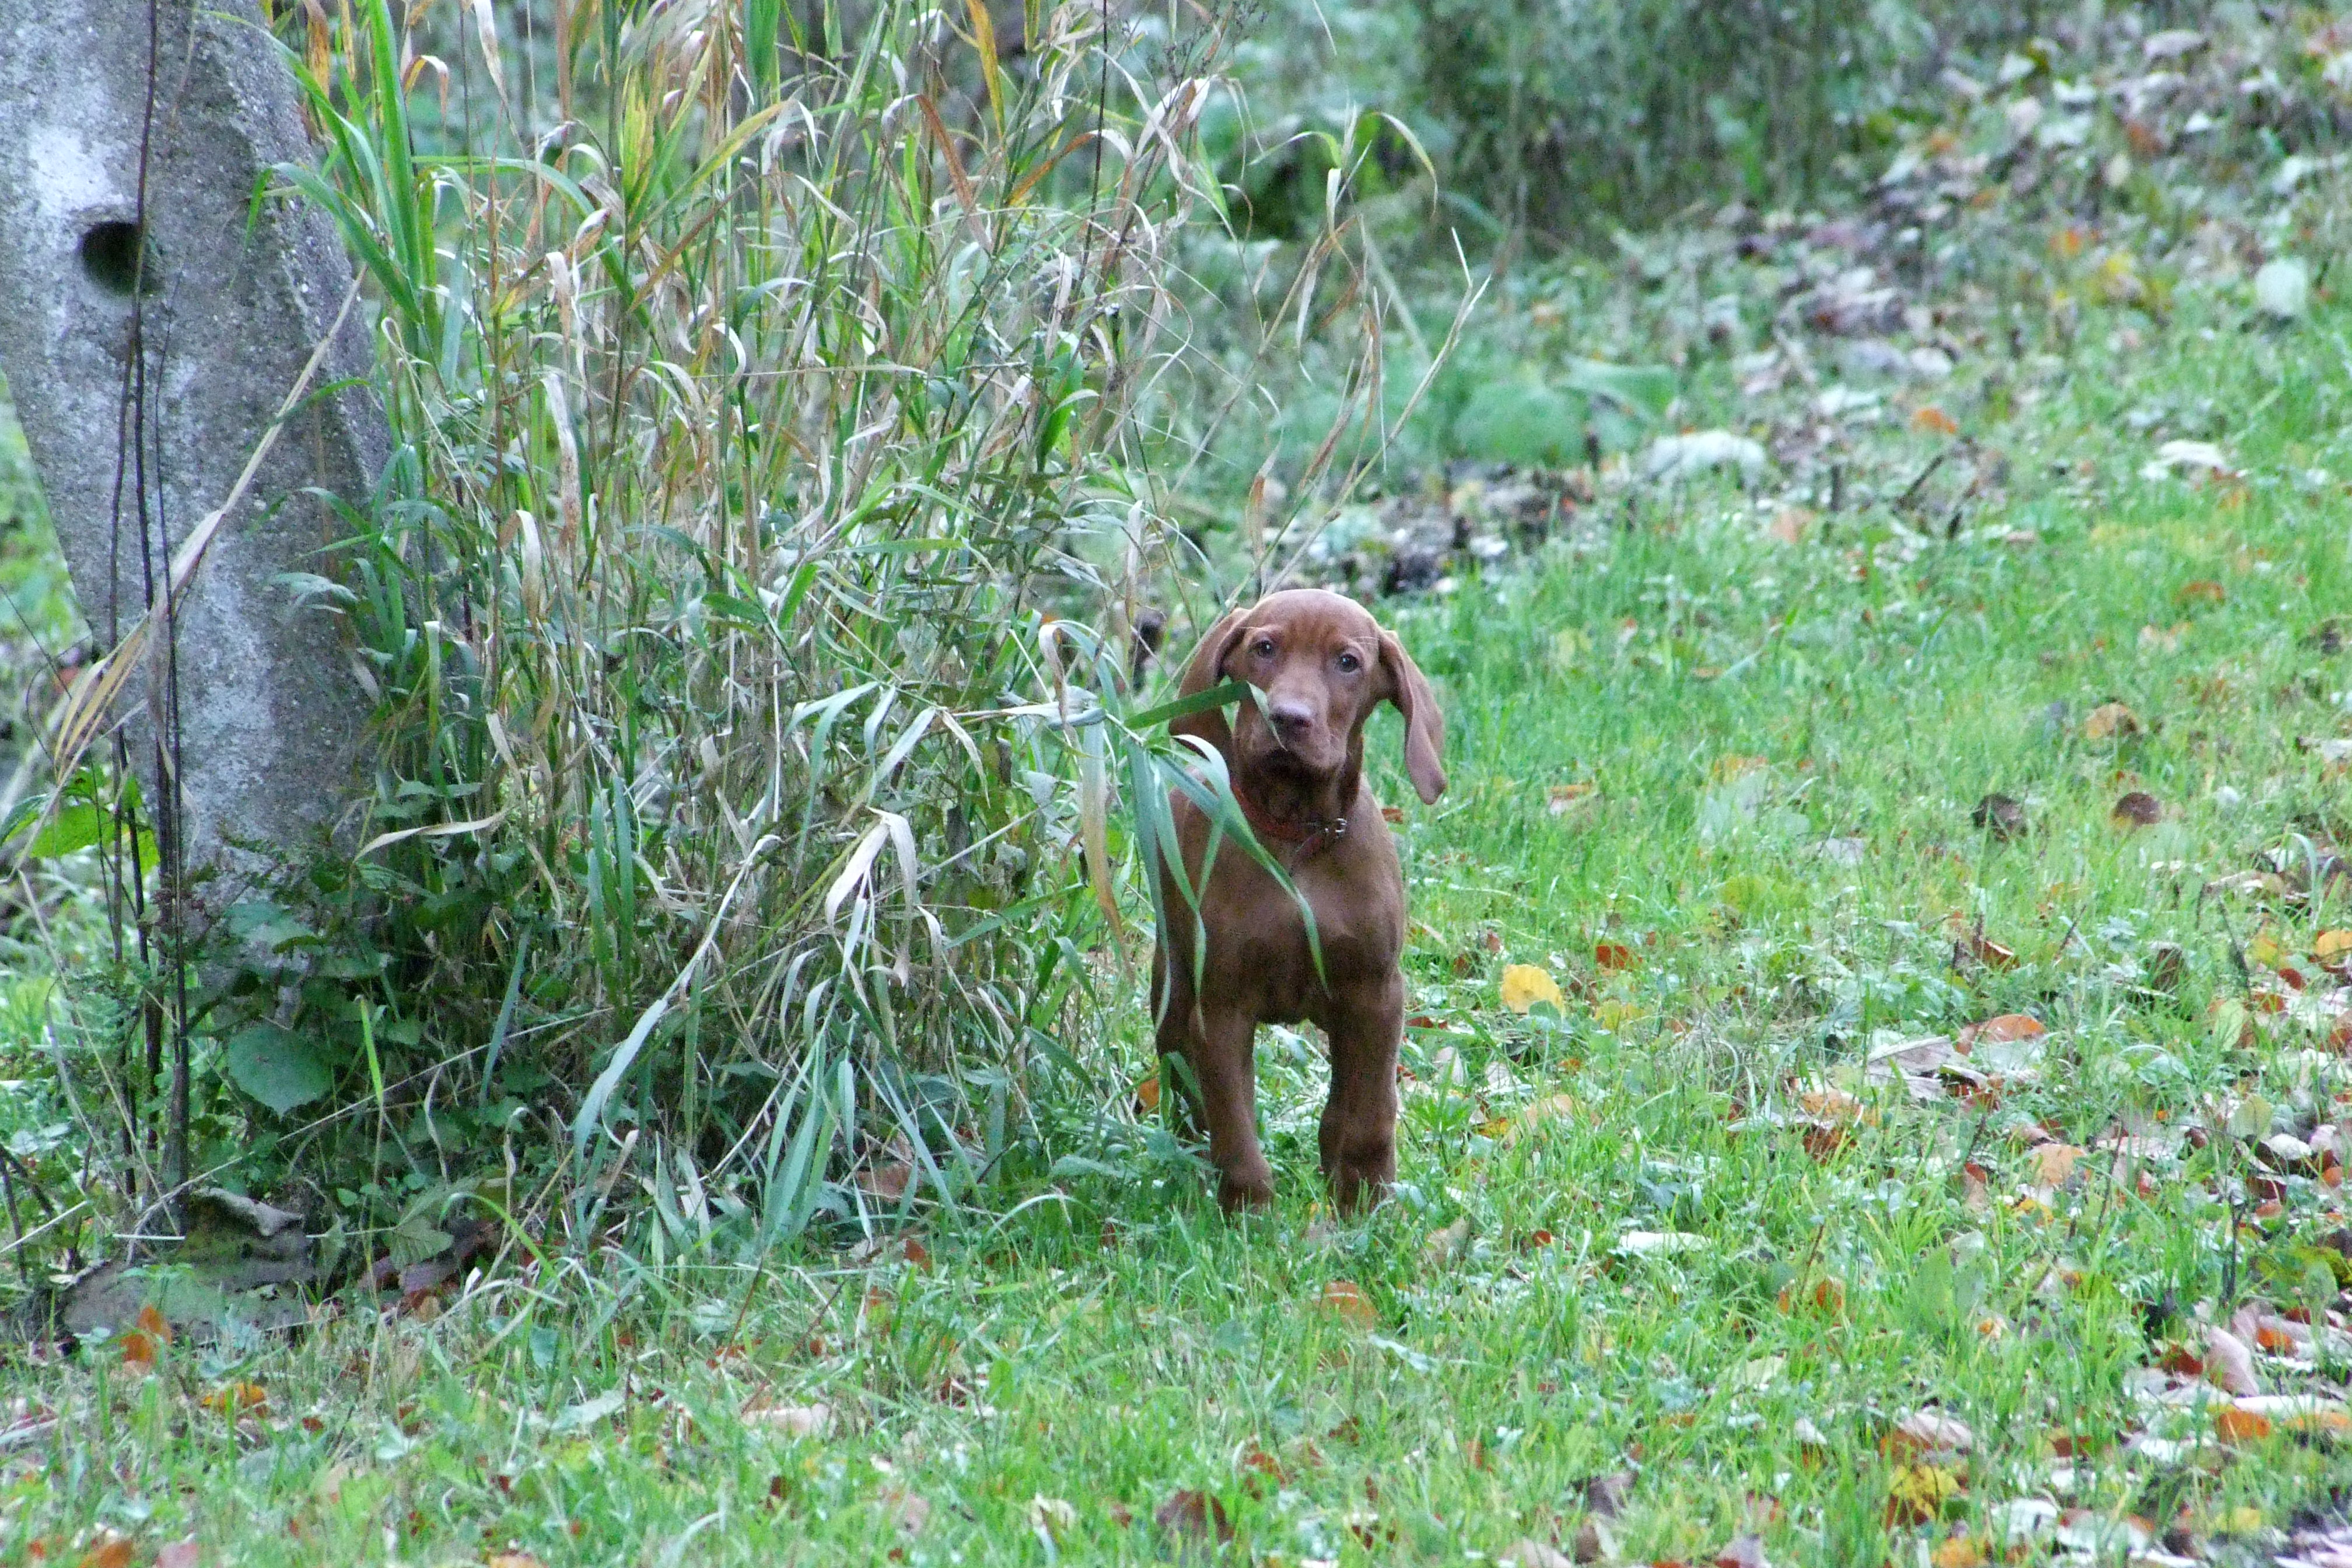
(1194, 1516)
(1930, 1431)
(2054, 1163)
(1999, 816)
(792, 1420)
(2229, 1364)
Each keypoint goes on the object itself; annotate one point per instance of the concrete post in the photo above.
(224, 308)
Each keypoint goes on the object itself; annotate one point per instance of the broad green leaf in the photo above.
(276, 1066)
(76, 827)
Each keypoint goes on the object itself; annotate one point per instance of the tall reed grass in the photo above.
(748, 601)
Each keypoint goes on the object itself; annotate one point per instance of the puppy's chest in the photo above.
(1359, 921)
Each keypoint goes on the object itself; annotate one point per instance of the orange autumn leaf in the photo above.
(236, 1399)
(2005, 1029)
(1933, 421)
(1345, 1299)
(1612, 955)
(110, 1550)
(2240, 1425)
(1147, 1095)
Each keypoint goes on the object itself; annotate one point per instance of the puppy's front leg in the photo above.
(1226, 1060)
(1358, 1137)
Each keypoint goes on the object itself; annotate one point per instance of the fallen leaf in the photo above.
(498, 1560)
(889, 1182)
(1560, 800)
(1194, 1516)
(181, 1553)
(2054, 1163)
(1612, 955)
(909, 1510)
(1831, 1105)
(1532, 1553)
(1525, 984)
(1958, 1552)
(2229, 1364)
(1931, 420)
(1931, 1431)
(110, 1550)
(2204, 591)
(2202, 457)
(2137, 808)
(236, 1399)
(1550, 1107)
(2235, 1425)
(1999, 816)
(1987, 952)
(1742, 1552)
(1790, 525)
(1345, 1299)
(2002, 1029)
(792, 1420)
(1446, 1244)
(2110, 720)
(2329, 946)
(1052, 1515)
(2301, 1413)
(1658, 1243)
(1916, 1494)
(138, 1349)
(1147, 1095)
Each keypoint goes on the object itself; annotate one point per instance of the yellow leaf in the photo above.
(2110, 720)
(1524, 985)
(1614, 1013)
(983, 39)
(1958, 1552)
(2330, 944)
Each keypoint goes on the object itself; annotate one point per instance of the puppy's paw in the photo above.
(1241, 1191)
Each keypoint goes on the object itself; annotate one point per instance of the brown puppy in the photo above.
(1297, 764)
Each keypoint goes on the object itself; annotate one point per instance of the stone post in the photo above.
(147, 346)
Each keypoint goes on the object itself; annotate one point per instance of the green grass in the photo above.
(1106, 1341)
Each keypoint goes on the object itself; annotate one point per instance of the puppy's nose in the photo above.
(1290, 720)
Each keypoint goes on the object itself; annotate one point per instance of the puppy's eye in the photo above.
(1349, 664)
(1263, 647)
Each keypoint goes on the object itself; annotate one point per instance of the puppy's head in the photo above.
(1322, 664)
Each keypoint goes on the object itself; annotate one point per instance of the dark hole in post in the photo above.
(111, 254)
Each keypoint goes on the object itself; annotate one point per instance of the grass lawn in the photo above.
(1701, 1254)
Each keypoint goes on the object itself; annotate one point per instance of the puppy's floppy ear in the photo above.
(1425, 726)
(1206, 671)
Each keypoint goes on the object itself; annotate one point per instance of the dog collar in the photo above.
(1308, 835)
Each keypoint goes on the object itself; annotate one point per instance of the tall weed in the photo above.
(748, 605)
